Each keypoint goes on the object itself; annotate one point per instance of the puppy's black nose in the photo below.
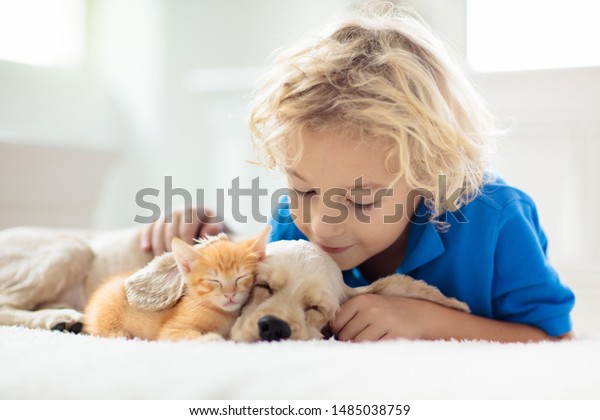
(271, 328)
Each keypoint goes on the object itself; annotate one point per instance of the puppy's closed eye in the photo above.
(264, 286)
(319, 309)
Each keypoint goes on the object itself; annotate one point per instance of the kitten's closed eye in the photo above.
(242, 277)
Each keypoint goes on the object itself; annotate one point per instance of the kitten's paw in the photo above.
(211, 337)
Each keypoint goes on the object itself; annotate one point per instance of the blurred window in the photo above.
(43, 32)
(508, 35)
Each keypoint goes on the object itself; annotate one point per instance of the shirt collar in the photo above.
(424, 243)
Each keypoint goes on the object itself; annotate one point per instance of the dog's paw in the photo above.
(74, 328)
(59, 327)
(67, 320)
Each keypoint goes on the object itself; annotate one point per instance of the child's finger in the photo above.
(158, 237)
(172, 229)
(371, 333)
(188, 231)
(340, 325)
(189, 225)
(355, 327)
(146, 237)
(211, 229)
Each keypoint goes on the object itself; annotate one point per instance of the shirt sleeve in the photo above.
(526, 288)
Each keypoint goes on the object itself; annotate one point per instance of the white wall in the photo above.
(198, 137)
(59, 137)
(66, 134)
(127, 58)
(137, 101)
(206, 136)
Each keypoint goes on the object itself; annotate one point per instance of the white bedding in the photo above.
(36, 364)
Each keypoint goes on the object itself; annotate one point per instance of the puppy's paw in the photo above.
(67, 320)
(75, 327)
(59, 327)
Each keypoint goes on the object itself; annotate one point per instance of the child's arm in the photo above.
(375, 317)
(185, 224)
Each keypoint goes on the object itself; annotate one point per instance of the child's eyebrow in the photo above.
(355, 187)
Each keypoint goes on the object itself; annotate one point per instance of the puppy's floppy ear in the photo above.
(258, 244)
(158, 285)
(402, 285)
(185, 255)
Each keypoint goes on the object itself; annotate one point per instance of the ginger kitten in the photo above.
(218, 277)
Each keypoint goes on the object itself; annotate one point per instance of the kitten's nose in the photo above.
(229, 295)
(271, 328)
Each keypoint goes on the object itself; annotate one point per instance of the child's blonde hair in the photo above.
(383, 77)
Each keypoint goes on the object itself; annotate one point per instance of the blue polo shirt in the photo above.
(492, 257)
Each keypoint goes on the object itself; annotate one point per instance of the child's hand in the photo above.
(185, 224)
(375, 317)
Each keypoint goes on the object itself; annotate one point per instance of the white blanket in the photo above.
(36, 364)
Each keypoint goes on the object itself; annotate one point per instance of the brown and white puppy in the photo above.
(299, 288)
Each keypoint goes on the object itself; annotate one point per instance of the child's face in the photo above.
(344, 202)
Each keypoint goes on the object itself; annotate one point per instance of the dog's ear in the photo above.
(402, 285)
(157, 286)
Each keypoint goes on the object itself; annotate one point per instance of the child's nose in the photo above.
(327, 219)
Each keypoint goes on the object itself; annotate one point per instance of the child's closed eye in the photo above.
(307, 193)
(361, 206)
(312, 192)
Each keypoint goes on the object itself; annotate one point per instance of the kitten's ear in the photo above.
(259, 243)
(185, 255)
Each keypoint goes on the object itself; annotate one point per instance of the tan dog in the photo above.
(47, 275)
(299, 288)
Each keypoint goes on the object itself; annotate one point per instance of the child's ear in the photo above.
(259, 243)
(185, 255)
